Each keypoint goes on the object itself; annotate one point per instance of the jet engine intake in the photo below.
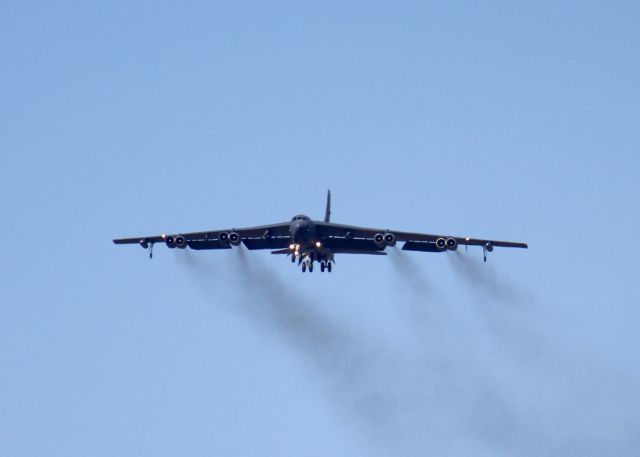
(378, 239)
(452, 244)
(441, 243)
(180, 241)
(489, 247)
(390, 239)
(170, 241)
(223, 237)
(234, 238)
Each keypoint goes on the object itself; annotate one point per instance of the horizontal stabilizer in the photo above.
(351, 244)
(266, 243)
(421, 246)
(199, 245)
(358, 251)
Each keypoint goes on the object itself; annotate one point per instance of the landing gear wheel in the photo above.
(322, 266)
(304, 267)
(329, 267)
(310, 267)
(293, 258)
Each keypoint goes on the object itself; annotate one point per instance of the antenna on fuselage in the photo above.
(327, 213)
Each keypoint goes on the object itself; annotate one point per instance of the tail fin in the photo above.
(327, 213)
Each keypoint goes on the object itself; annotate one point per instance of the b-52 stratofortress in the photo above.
(307, 241)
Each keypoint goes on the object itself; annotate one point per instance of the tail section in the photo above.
(327, 213)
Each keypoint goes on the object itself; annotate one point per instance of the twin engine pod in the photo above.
(384, 239)
(175, 241)
(447, 243)
(229, 238)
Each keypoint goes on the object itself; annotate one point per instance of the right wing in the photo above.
(273, 236)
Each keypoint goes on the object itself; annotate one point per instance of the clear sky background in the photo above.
(505, 120)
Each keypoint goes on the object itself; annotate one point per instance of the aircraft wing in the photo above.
(271, 236)
(413, 241)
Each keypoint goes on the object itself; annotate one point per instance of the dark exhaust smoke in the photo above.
(353, 366)
(484, 376)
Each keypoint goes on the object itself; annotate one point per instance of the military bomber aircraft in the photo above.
(307, 241)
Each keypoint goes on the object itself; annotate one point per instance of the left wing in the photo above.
(412, 241)
(271, 236)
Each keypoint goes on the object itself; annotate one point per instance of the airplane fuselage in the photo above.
(303, 231)
(306, 246)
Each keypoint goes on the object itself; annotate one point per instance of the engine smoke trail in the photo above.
(411, 272)
(462, 391)
(418, 298)
(352, 362)
(483, 275)
(352, 365)
(267, 297)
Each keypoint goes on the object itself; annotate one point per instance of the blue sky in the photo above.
(506, 121)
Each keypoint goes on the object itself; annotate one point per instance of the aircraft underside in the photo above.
(307, 257)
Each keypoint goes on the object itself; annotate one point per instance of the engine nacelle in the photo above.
(170, 241)
(223, 237)
(488, 247)
(389, 239)
(441, 243)
(378, 239)
(452, 244)
(234, 238)
(180, 241)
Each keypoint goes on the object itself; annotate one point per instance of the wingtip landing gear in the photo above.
(487, 247)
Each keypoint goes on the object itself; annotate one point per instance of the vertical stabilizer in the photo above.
(327, 213)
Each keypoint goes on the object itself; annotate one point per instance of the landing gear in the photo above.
(307, 260)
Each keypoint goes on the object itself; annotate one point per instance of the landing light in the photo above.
(318, 244)
(292, 247)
